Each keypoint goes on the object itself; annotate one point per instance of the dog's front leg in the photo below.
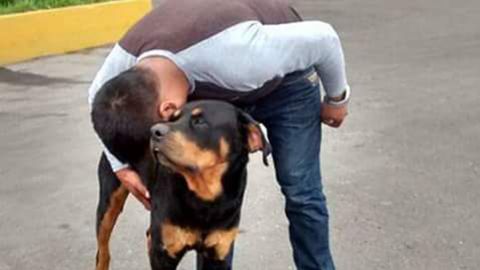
(160, 260)
(207, 262)
(218, 245)
(169, 242)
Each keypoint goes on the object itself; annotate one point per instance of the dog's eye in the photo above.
(198, 121)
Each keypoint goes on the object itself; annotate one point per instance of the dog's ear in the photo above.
(256, 140)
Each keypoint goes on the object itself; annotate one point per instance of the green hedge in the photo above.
(15, 6)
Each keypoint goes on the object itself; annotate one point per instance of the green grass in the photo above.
(16, 6)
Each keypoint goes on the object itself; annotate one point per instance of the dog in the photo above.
(195, 171)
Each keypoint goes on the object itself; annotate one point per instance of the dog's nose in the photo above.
(159, 131)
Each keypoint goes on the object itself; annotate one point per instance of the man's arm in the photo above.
(116, 62)
(246, 55)
(316, 43)
(310, 43)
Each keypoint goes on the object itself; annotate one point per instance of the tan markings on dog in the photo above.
(175, 238)
(188, 152)
(224, 148)
(197, 111)
(117, 200)
(149, 241)
(177, 113)
(206, 184)
(206, 180)
(221, 241)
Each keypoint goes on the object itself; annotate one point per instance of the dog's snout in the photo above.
(159, 131)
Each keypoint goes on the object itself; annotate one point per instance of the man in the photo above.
(259, 55)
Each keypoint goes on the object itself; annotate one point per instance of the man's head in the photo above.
(123, 111)
(127, 106)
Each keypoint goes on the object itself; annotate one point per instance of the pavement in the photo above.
(402, 175)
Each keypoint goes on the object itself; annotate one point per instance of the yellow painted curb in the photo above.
(45, 32)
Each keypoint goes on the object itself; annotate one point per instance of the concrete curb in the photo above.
(46, 32)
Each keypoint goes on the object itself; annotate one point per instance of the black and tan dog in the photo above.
(195, 171)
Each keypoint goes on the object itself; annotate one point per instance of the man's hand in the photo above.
(131, 180)
(333, 115)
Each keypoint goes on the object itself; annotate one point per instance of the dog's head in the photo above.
(202, 140)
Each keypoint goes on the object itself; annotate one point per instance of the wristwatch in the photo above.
(339, 100)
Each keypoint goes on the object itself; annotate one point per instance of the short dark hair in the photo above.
(123, 111)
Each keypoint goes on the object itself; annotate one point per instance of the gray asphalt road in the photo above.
(402, 176)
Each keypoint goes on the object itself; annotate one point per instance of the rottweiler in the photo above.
(195, 171)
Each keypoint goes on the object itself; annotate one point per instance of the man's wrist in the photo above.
(339, 100)
(120, 167)
(124, 172)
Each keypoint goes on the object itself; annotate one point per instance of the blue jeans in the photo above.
(291, 114)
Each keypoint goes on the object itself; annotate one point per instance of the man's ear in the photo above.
(166, 109)
(256, 139)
